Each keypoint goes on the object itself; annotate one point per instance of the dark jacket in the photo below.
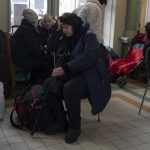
(44, 33)
(146, 45)
(87, 63)
(26, 49)
(57, 42)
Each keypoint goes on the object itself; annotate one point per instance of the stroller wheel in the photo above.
(121, 81)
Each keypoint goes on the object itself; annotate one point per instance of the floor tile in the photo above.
(5, 147)
(19, 146)
(14, 139)
(120, 128)
(32, 142)
(41, 148)
(1, 133)
(3, 141)
(56, 147)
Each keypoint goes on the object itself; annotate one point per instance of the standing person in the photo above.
(86, 74)
(45, 27)
(93, 13)
(147, 43)
(26, 49)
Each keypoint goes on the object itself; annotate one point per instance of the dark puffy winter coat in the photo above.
(26, 49)
(147, 45)
(44, 33)
(87, 63)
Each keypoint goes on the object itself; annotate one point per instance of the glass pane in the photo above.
(80, 3)
(69, 5)
(17, 6)
(39, 6)
(66, 6)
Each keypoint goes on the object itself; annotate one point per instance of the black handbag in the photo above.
(55, 85)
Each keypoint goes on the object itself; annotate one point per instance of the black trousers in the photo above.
(56, 105)
(73, 92)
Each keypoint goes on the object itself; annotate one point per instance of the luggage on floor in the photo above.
(32, 110)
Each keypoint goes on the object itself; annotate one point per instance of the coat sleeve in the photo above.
(87, 58)
(31, 41)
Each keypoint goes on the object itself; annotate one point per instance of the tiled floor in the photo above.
(121, 128)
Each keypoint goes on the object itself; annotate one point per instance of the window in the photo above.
(69, 5)
(17, 6)
(148, 12)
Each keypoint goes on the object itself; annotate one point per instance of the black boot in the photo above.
(57, 127)
(72, 135)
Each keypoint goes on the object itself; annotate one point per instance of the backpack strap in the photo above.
(12, 121)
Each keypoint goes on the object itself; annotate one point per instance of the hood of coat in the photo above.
(96, 2)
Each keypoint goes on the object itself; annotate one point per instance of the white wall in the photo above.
(118, 24)
(148, 12)
(4, 15)
(107, 23)
(114, 24)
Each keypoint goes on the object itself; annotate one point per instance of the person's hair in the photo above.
(46, 16)
(103, 2)
(147, 29)
(71, 19)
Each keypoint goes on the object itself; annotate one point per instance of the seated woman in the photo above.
(46, 26)
(85, 76)
(26, 49)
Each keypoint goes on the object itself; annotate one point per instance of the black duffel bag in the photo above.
(33, 112)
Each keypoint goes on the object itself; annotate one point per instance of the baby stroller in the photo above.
(121, 68)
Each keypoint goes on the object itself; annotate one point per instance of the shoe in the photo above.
(56, 128)
(72, 135)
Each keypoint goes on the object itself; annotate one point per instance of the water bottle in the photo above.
(2, 101)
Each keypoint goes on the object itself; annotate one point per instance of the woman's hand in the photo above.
(58, 72)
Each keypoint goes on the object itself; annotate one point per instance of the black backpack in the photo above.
(33, 112)
(103, 55)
